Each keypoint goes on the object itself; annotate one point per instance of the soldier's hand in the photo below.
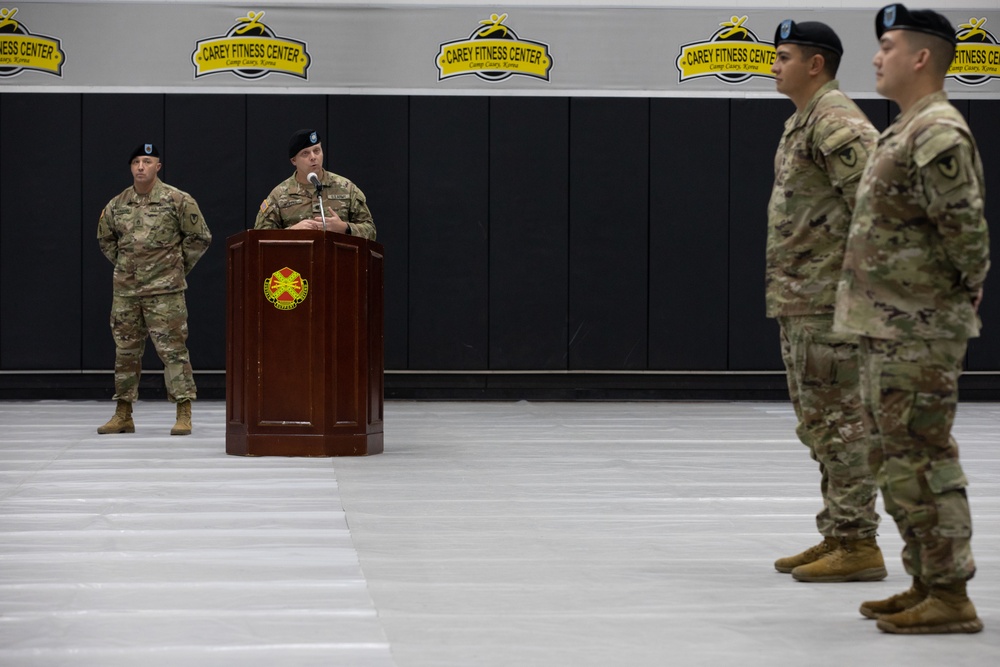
(333, 222)
(308, 224)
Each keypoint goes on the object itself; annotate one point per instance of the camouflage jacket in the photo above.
(153, 240)
(819, 162)
(292, 202)
(918, 249)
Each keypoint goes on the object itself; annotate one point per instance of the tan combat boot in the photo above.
(897, 603)
(946, 609)
(183, 425)
(852, 560)
(121, 421)
(808, 556)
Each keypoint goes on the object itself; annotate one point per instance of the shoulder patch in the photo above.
(264, 205)
(848, 156)
(836, 140)
(934, 142)
(948, 166)
(948, 171)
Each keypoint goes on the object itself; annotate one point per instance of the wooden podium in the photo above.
(304, 344)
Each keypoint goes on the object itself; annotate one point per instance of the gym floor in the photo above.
(487, 534)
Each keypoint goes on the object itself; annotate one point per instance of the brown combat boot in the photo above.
(183, 425)
(946, 609)
(808, 556)
(121, 421)
(852, 560)
(897, 603)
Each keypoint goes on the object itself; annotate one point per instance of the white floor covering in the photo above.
(487, 534)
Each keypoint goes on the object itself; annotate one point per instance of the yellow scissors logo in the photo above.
(286, 289)
(977, 54)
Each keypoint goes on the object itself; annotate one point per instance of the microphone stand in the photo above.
(319, 196)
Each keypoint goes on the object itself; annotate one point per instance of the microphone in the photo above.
(314, 179)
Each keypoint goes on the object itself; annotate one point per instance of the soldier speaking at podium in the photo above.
(313, 198)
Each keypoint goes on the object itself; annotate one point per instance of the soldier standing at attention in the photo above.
(916, 260)
(153, 234)
(819, 161)
(295, 203)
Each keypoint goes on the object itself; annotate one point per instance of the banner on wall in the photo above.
(435, 50)
(22, 51)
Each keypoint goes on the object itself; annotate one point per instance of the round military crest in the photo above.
(786, 28)
(286, 289)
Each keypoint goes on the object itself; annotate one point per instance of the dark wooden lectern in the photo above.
(304, 352)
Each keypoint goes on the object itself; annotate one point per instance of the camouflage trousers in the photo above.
(164, 319)
(824, 386)
(910, 389)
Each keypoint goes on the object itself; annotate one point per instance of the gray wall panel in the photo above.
(369, 144)
(40, 303)
(537, 234)
(529, 223)
(984, 352)
(756, 127)
(688, 244)
(609, 233)
(449, 232)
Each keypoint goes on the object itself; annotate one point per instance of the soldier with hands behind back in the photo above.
(819, 161)
(153, 234)
(916, 260)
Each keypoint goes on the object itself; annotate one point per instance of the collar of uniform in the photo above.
(902, 120)
(802, 116)
(308, 188)
(151, 195)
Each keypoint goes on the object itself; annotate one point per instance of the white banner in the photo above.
(216, 47)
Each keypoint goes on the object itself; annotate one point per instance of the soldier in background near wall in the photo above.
(916, 260)
(327, 202)
(817, 167)
(154, 234)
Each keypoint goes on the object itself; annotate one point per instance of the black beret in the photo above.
(898, 17)
(302, 139)
(143, 149)
(808, 33)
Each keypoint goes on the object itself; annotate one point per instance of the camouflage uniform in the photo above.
(153, 240)
(817, 166)
(291, 202)
(917, 255)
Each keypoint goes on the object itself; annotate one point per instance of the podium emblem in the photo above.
(286, 289)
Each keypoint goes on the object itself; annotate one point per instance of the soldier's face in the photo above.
(790, 69)
(309, 160)
(893, 64)
(144, 170)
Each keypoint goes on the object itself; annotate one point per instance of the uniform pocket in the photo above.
(917, 401)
